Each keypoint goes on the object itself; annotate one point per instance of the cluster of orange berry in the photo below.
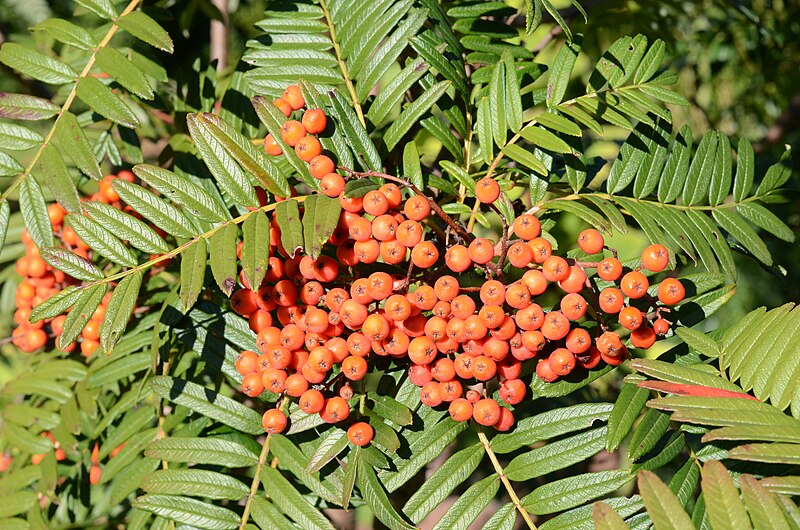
(41, 281)
(302, 136)
(377, 291)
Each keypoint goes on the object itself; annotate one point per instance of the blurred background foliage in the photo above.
(737, 62)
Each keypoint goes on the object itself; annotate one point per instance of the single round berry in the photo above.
(314, 120)
(591, 241)
(487, 190)
(655, 258)
(671, 291)
(631, 318)
(294, 97)
(486, 412)
(274, 421)
(634, 284)
(360, 433)
(292, 132)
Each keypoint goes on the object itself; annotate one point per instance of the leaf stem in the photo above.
(262, 459)
(70, 98)
(342, 66)
(504, 479)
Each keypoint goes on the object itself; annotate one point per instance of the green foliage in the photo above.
(441, 95)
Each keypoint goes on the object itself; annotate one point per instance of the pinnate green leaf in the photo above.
(377, 499)
(120, 307)
(81, 312)
(208, 403)
(320, 217)
(67, 32)
(195, 482)
(102, 100)
(126, 227)
(124, 72)
(15, 137)
(141, 26)
(35, 64)
(72, 140)
(188, 511)
(662, 505)
(34, 212)
(291, 502)
(215, 451)
(101, 8)
(25, 107)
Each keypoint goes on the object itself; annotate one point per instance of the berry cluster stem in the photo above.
(504, 479)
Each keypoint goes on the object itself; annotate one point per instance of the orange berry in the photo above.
(252, 384)
(535, 281)
(332, 184)
(360, 433)
(384, 227)
(578, 341)
(481, 250)
(588, 359)
(611, 300)
(294, 97)
(457, 258)
(336, 409)
(417, 208)
(671, 291)
(544, 372)
(292, 132)
(591, 241)
(56, 214)
(483, 368)
(561, 361)
(655, 258)
(573, 306)
(315, 121)
(487, 190)
(320, 165)
(542, 249)
(493, 292)
(94, 474)
(660, 326)
(512, 391)
(634, 284)
(609, 344)
(575, 282)
(631, 318)
(460, 409)
(271, 146)
(283, 105)
(555, 269)
(424, 254)
(431, 394)
(555, 326)
(486, 412)
(393, 195)
(274, 380)
(375, 203)
(520, 254)
(311, 401)
(274, 421)
(296, 384)
(643, 337)
(506, 421)
(307, 148)
(610, 269)
(527, 227)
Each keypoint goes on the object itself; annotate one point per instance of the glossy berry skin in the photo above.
(292, 132)
(486, 412)
(487, 190)
(314, 120)
(634, 284)
(655, 258)
(671, 291)
(360, 433)
(609, 269)
(274, 421)
(591, 241)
